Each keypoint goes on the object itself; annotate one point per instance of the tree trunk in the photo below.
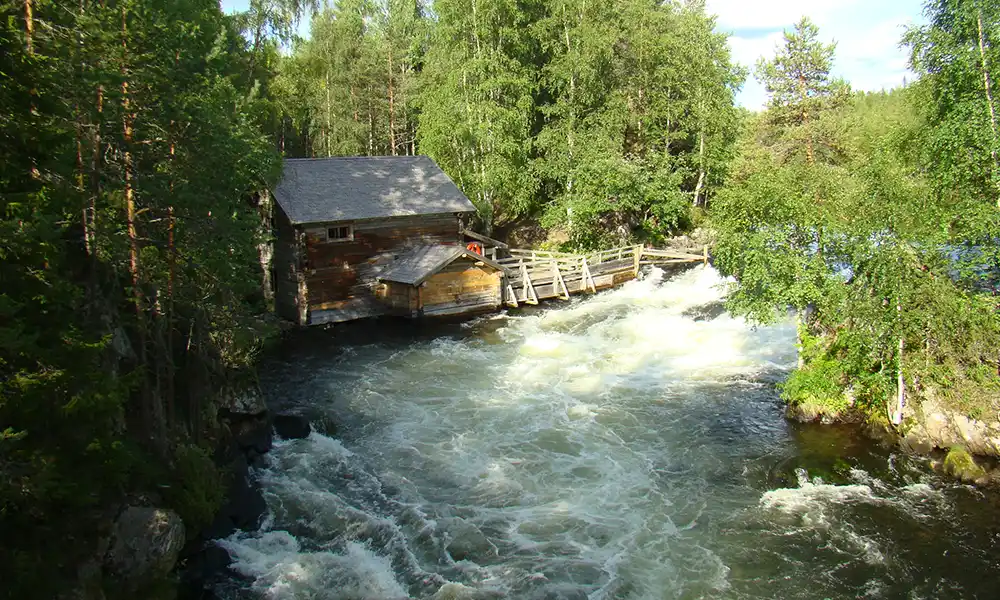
(95, 161)
(799, 346)
(29, 43)
(265, 249)
(897, 415)
(170, 405)
(29, 27)
(150, 417)
(371, 128)
(803, 97)
(701, 170)
(257, 38)
(329, 124)
(392, 108)
(170, 408)
(88, 235)
(78, 132)
(987, 85)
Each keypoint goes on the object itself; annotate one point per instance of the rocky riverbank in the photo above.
(954, 443)
(251, 429)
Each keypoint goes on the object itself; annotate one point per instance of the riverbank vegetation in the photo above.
(875, 217)
(131, 149)
(135, 137)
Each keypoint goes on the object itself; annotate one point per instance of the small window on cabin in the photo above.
(339, 234)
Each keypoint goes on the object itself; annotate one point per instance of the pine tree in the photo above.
(127, 250)
(799, 82)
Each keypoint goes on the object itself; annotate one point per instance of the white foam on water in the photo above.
(812, 499)
(647, 335)
(536, 449)
(282, 570)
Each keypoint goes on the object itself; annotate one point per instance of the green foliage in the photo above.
(639, 117)
(833, 211)
(957, 55)
(197, 487)
(349, 89)
(798, 78)
(128, 280)
(819, 384)
(477, 110)
(609, 121)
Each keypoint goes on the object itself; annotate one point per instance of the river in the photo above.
(626, 445)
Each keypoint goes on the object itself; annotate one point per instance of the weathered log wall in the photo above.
(286, 273)
(320, 281)
(460, 288)
(341, 270)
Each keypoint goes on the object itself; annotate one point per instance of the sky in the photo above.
(867, 34)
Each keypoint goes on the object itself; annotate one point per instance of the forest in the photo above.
(137, 135)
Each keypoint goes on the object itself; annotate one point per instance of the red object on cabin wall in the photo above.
(475, 247)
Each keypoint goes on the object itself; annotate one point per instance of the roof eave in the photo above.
(368, 219)
(460, 252)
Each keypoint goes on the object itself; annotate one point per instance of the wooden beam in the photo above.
(484, 239)
(653, 252)
(587, 277)
(557, 278)
(511, 297)
(530, 297)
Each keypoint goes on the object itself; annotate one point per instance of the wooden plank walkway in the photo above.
(534, 275)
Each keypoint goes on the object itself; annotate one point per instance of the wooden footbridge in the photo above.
(534, 275)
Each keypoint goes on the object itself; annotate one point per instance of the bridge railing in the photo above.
(533, 275)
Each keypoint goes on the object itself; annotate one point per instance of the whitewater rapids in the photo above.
(625, 445)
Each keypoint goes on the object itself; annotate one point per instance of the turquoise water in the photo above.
(625, 445)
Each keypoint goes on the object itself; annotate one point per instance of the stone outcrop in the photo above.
(145, 545)
(292, 427)
(246, 400)
(818, 413)
(960, 465)
(931, 424)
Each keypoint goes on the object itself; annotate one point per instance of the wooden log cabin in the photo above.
(365, 236)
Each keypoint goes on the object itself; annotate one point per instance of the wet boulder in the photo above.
(245, 507)
(145, 545)
(960, 465)
(246, 401)
(706, 312)
(291, 427)
(204, 569)
(253, 436)
(935, 424)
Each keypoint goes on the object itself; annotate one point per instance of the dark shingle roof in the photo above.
(320, 190)
(414, 267)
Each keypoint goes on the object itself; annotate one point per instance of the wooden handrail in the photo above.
(484, 239)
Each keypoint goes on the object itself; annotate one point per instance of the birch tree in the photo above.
(477, 109)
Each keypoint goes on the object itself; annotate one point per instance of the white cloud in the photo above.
(746, 50)
(867, 35)
(744, 14)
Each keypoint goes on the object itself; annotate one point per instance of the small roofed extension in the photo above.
(357, 237)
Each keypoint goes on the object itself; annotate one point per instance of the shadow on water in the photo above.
(847, 517)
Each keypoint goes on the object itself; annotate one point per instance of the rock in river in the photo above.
(146, 542)
(292, 427)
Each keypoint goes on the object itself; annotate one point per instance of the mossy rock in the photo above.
(960, 465)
